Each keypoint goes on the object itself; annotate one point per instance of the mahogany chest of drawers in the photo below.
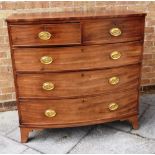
(76, 68)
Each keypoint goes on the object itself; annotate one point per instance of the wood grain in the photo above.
(76, 84)
(40, 17)
(79, 110)
(62, 34)
(76, 58)
(97, 32)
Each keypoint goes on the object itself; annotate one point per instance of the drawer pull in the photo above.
(48, 86)
(44, 35)
(50, 113)
(115, 32)
(46, 60)
(115, 55)
(114, 80)
(113, 106)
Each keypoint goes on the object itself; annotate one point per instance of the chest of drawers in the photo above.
(76, 68)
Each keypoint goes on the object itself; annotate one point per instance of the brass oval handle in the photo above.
(115, 55)
(48, 86)
(44, 35)
(50, 113)
(113, 106)
(115, 32)
(46, 60)
(114, 80)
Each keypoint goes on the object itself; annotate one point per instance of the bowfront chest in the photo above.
(76, 68)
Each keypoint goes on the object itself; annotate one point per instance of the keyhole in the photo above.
(82, 75)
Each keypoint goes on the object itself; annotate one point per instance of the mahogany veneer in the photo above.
(76, 68)
(77, 58)
(62, 34)
(76, 84)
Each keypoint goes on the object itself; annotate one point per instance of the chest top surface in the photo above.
(60, 16)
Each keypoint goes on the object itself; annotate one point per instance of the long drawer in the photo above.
(79, 110)
(76, 84)
(77, 58)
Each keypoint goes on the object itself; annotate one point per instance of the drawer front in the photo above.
(48, 34)
(76, 84)
(113, 30)
(77, 58)
(79, 110)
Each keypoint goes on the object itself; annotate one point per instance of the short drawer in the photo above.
(113, 30)
(46, 34)
(79, 110)
(77, 58)
(76, 84)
